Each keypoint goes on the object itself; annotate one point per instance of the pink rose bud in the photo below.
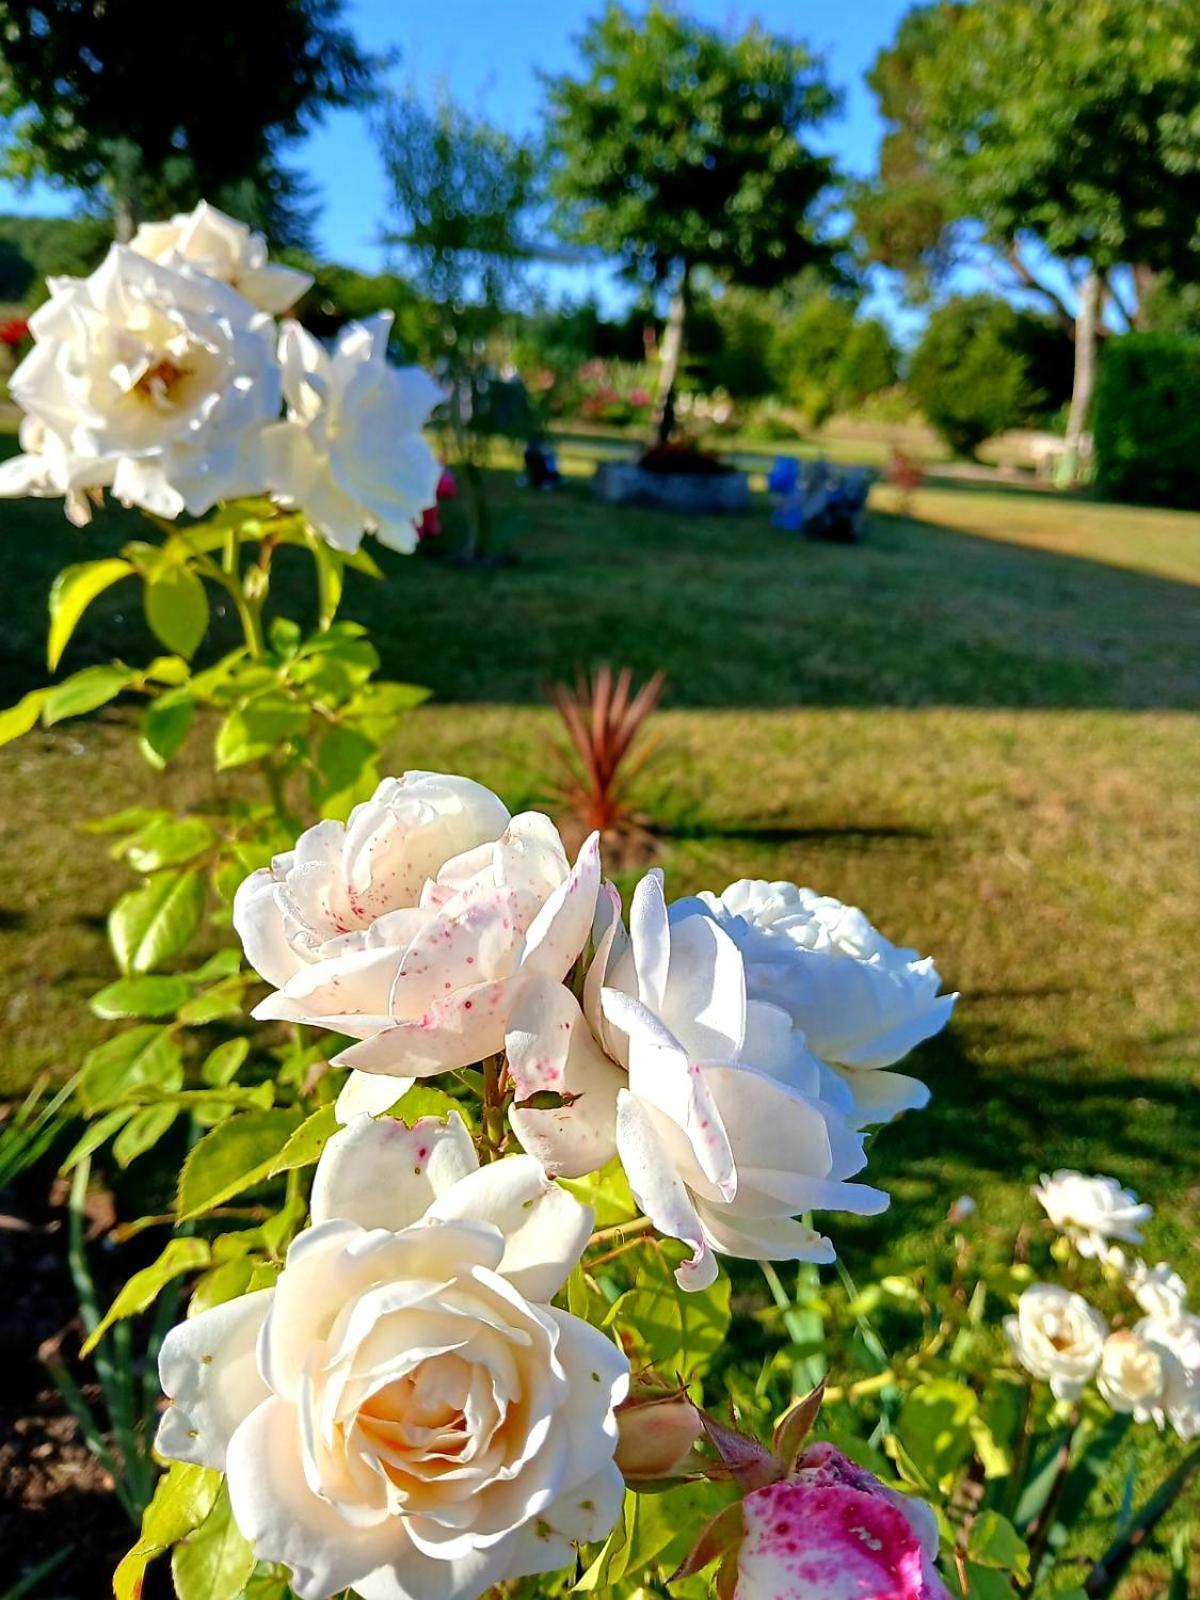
(832, 1531)
(656, 1434)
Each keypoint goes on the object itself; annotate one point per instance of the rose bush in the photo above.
(405, 1414)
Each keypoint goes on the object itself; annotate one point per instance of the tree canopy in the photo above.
(202, 102)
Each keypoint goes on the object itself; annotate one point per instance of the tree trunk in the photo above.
(670, 361)
(1087, 319)
(1145, 281)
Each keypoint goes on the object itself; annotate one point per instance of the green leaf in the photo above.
(71, 593)
(221, 1065)
(342, 755)
(224, 999)
(168, 843)
(235, 1155)
(125, 821)
(183, 1498)
(423, 1100)
(677, 1329)
(179, 1256)
(147, 1055)
(934, 1427)
(142, 1132)
(151, 924)
(96, 1135)
(17, 720)
(285, 636)
(165, 725)
(215, 1562)
(304, 1147)
(177, 609)
(141, 997)
(85, 691)
(250, 732)
(994, 1542)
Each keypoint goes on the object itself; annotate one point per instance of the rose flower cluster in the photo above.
(407, 1413)
(164, 378)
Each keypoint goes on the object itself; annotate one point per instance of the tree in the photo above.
(680, 151)
(461, 195)
(123, 100)
(974, 372)
(1031, 130)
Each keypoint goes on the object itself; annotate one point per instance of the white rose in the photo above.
(1057, 1336)
(861, 1001)
(154, 382)
(412, 926)
(710, 1100)
(1092, 1211)
(1160, 1292)
(209, 241)
(351, 455)
(1133, 1376)
(1178, 1343)
(405, 1414)
(46, 470)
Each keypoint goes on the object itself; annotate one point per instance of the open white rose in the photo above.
(1058, 1337)
(412, 926)
(405, 1414)
(46, 470)
(710, 1099)
(1160, 1292)
(861, 1002)
(1178, 1344)
(351, 455)
(1133, 1376)
(1092, 1212)
(210, 242)
(152, 381)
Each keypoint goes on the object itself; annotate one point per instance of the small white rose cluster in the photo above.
(1149, 1370)
(406, 1414)
(162, 377)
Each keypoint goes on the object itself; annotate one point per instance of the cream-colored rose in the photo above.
(1092, 1212)
(1133, 1376)
(709, 1098)
(208, 241)
(153, 382)
(405, 1414)
(413, 926)
(861, 1002)
(351, 455)
(1058, 1337)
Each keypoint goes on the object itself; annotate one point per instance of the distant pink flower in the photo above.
(832, 1531)
(447, 485)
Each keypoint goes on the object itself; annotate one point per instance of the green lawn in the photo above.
(981, 726)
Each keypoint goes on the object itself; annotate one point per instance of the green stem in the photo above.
(1039, 1534)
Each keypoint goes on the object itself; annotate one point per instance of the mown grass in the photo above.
(981, 726)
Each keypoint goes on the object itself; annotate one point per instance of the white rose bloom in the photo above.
(1057, 1336)
(1092, 1212)
(210, 242)
(413, 925)
(861, 1001)
(351, 455)
(710, 1099)
(46, 470)
(1134, 1374)
(405, 1414)
(1179, 1344)
(154, 382)
(1160, 1292)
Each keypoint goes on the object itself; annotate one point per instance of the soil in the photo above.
(54, 1495)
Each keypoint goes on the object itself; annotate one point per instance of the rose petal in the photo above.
(381, 1174)
(207, 1368)
(660, 1192)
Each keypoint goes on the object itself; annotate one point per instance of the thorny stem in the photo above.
(620, 1231)
(492, 1131)
(621, 1249)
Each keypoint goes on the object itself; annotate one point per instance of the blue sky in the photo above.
(489, 51)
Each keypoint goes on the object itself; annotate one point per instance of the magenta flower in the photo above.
(832, 1531)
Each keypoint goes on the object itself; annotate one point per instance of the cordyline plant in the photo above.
(452, 1227)
(603, 719)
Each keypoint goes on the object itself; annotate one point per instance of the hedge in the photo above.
(1146, 420)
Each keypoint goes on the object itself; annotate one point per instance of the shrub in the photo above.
(1147, 419)
(978, 370)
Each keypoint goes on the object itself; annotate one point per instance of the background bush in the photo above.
(1149, 448)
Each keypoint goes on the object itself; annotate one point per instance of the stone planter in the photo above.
(624, 483)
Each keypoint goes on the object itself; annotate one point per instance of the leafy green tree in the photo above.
(203, 102)
(461, 196)
(681, 151)
(1043, 128)
(973, 374)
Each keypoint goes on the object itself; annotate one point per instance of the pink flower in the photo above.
(832, 1531)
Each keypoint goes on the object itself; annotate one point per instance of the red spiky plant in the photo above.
(603, 718)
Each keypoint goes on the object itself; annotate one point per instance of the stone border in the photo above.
(624, 483)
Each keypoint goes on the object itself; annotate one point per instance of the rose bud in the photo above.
(656, 1431)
